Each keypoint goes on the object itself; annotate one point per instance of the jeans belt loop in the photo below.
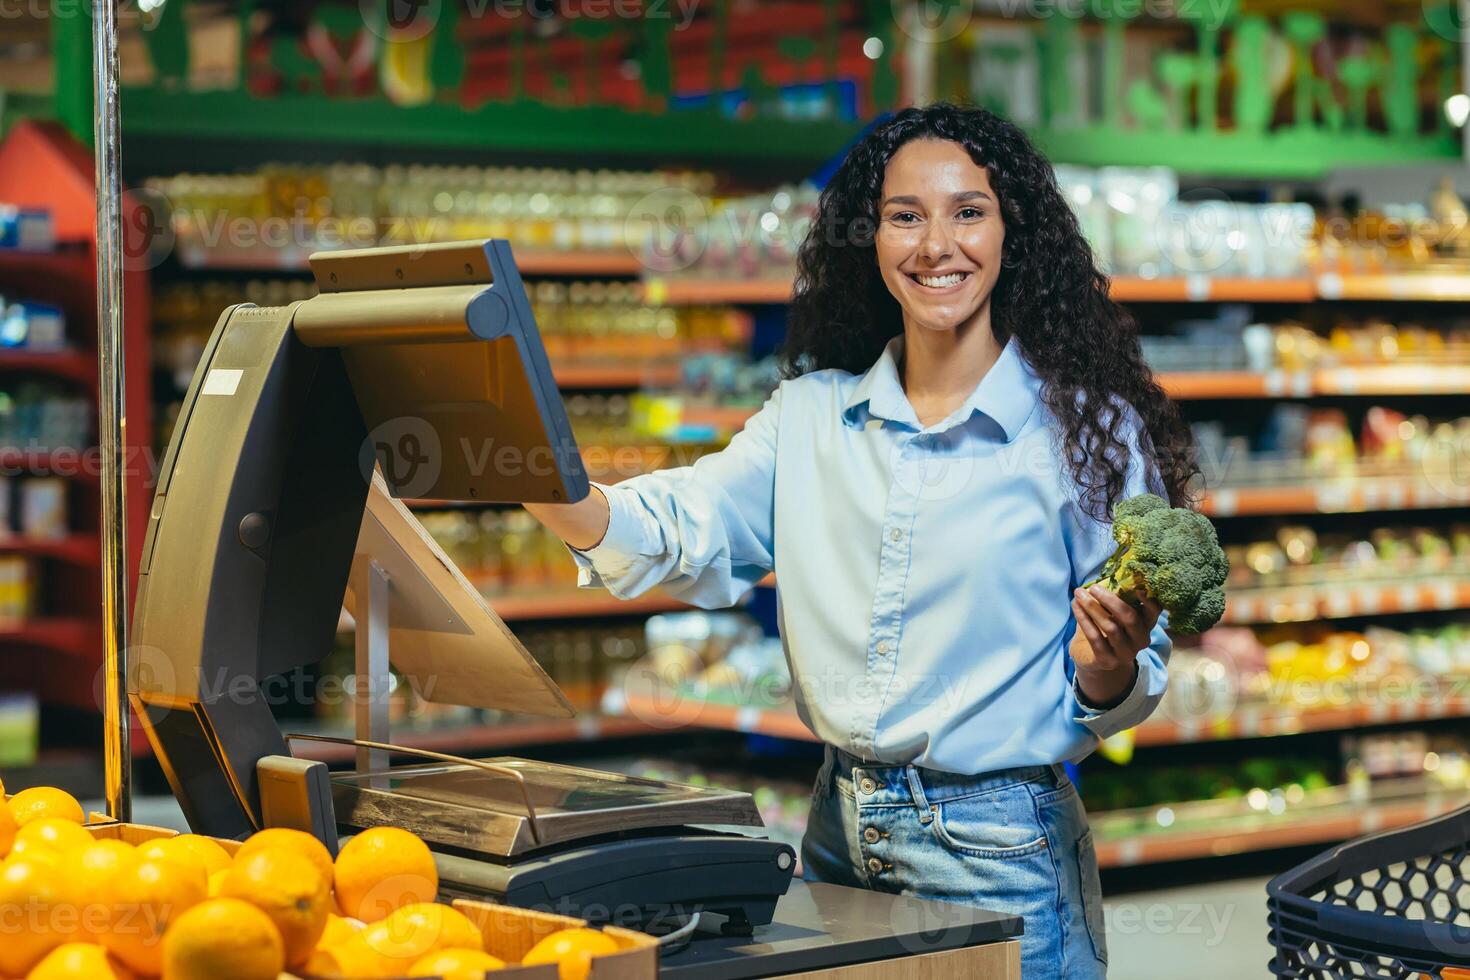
(916, 788)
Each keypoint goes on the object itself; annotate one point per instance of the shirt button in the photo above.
(895, 535)
(871, 835)
(867, 785)
(874, 865)
(884, 647)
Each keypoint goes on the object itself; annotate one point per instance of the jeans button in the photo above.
(871, 835)
(868, 786)
(874, 865)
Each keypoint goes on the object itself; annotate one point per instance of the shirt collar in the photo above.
(1008, 394)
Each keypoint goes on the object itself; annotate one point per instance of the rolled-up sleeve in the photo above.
(704, 532)
(1091, 543)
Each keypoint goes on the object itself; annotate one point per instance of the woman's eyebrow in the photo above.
(913, 201)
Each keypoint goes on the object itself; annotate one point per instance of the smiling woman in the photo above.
(931, 484)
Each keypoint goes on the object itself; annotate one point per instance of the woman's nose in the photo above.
(938, 243)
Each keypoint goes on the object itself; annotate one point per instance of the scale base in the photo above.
(636, 881)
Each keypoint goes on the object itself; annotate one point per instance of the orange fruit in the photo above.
(169, 849)
(56, 833)
(8, 827)
(79, 961)
(39, 850)
(442, 926)
(351, 960)
(87, 877)
(45, 801)
(284, 838)
(382, 869)
(290, 890)
(217, 882)
(455, 964)
(572, 950)
(223, 939)
(338, 931)
(215, 858)
(148, 896)
(29, 896)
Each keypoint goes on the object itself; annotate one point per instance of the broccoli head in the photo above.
(1171, 554)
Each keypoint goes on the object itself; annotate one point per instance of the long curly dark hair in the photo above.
(1050, 297)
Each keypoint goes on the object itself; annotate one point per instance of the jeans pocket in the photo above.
(999, 825)
(1092, 903)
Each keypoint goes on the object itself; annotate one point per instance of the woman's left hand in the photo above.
(1110, 634)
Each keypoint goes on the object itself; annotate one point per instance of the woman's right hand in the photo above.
(581, 525)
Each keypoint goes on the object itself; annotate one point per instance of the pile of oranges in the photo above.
(75, 905)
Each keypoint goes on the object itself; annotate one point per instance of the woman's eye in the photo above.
(904, 218)
(970, 214)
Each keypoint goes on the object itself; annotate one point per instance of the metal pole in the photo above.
(111, 416)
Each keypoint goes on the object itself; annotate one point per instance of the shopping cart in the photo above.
(1390, 906)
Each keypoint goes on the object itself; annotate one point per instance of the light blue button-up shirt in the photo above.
(925, 574)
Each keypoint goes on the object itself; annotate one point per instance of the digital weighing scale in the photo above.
(416, 372)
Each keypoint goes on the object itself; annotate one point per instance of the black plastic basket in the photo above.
(1391, 906)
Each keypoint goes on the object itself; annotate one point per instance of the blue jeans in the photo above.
(1014, 841)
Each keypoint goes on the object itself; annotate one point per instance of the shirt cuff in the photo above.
(1095, 718)
(620, 543)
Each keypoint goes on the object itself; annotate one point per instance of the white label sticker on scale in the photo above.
(221, 381)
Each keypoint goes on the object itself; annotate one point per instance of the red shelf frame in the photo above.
(70, 618)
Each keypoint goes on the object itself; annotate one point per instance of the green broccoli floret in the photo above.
(1171, 554)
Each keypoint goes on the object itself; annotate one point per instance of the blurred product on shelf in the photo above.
(715, 396)
(744, 238)
(1303, 442)
(26, 230)
(1234, 673)
(722, 657)
(26, 325)
(20, 729)
(594, 322)
(1425, 235)
(33, 508)
(307, 207)
(501, 550)
(19, 587)
(1229, 342)
(39, 415)
(1298, 556)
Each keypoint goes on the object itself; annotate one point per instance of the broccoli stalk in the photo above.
(1171, 554)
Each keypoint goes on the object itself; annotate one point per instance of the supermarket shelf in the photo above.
(64, 262)
(1204, 289)
(67, 633)
(1268, 832)
(195, 254)
(1255, 721)
(80, 549)
(1300, 604)
(1130, 289)
(616, 374)
(670, 711)
(466, 739)
(724, 418)
(1368, 380)
(1395, 286)
(72, 365)
(1353, 495)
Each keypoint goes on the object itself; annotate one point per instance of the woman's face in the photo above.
(939, 234)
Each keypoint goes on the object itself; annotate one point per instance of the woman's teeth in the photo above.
(939, 282)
